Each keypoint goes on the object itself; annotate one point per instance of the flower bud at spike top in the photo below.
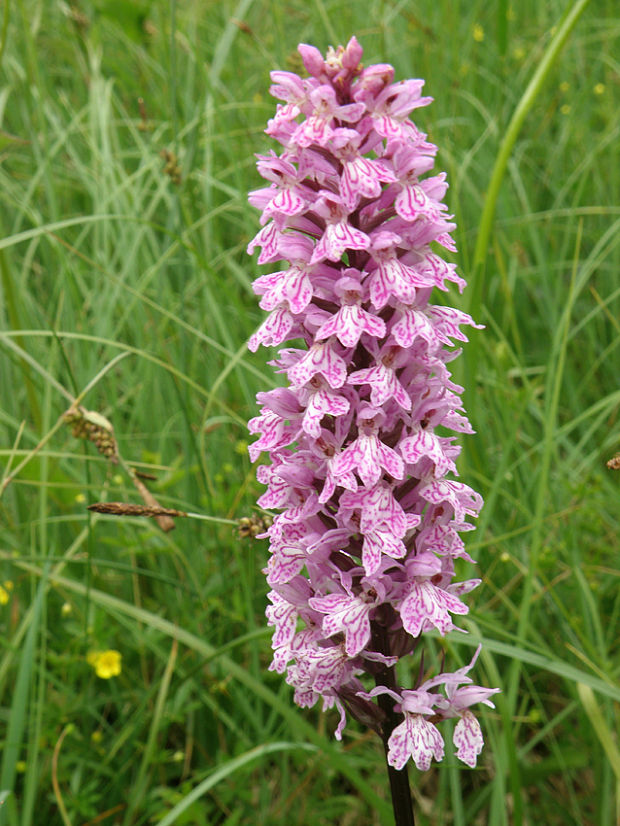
(361, 440)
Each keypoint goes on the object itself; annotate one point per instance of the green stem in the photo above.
(563, 29)
(5, 28)
(15, 323)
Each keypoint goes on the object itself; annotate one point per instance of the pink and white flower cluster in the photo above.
(364, 546)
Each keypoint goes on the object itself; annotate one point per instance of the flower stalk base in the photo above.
(402, 803)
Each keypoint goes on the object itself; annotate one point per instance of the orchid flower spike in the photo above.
(361, 442)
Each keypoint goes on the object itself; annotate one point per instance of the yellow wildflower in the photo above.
(599, 88)
(5, 592)
(478, 33)
(106, 663)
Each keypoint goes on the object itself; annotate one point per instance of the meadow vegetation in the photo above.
(127, 141)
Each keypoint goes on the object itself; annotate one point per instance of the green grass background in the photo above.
(117, 279)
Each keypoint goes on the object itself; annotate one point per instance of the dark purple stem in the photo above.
(399, 780)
